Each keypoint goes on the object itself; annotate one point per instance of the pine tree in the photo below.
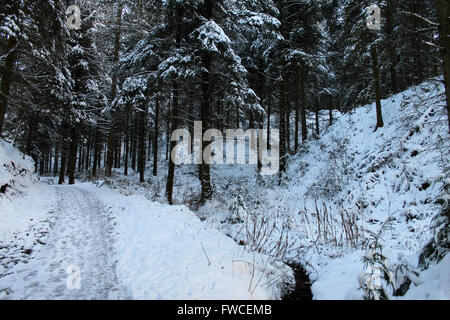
(443, 10)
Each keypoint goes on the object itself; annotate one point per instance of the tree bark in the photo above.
(391, 4)
(62, 169)
(141, 164)
(205, 169)
(114, 126)
(297, 120)
(73, 155)
(443, 11)
(172, 144)
(303, 104)
(127, 142)
(6, 79)
(155, 139)
(331, 115)
(134, 143)
(55, 164)
(96, 153)
(174, 115)
(373, 51)
(269, 114)
(317, 111)
(282, 125)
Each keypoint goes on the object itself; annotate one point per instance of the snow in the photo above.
(337, 280)
(80, 236)
(435, 283)
(393, 173)
(166, 252)
(12, 162)
(349, 172)
(124, 247)
(339, 190)
(16, 176)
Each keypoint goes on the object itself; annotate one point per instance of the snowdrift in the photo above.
(23, 201)
(16, 169)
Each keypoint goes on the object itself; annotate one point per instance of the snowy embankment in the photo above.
(342, 188)
(23, 201)
(166, 252)
(362, 179)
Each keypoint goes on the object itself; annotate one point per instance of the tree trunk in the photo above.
(331, 115)
(55, 164)
(269, 114)
(282, 125)
(297, 120)
(6, 79)
(114, 127)
(155, 139)
(443, 10)
(141, 161)
(88, 152)
(174, 116)
(317, 112)
(134, 143)
(288, 120)
(205, 169)
(127, 142)
(96, 153)
(303, 99)
(80, 158)
(62, 169)
(73, 155)
(169, 116)
(172, 144)
(373, 51)
(391, 4)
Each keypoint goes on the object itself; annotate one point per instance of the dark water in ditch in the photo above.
(302, 289)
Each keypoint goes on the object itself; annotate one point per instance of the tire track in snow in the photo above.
(82, 237)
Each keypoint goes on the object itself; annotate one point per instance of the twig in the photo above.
(209, 262)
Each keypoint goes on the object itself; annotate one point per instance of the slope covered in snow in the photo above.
(23, 201)
(341, 189)
(362, 179)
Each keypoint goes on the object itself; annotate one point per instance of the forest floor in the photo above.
(81, 236)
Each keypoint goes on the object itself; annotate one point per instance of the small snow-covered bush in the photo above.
(439, 246)
(405, 275)
(238, 211)
(377, 277)
(333, 179)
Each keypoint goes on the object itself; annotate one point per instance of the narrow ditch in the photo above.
(302, 289)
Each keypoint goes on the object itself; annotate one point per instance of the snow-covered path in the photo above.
(80, 238)
(128, 247)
